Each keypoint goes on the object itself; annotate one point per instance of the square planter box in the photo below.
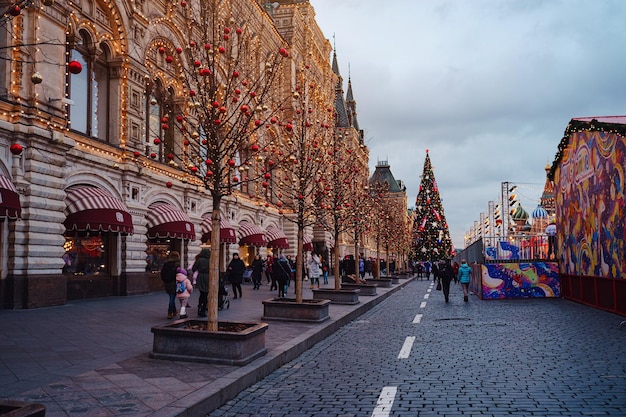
(344, 296)
(364, 289)
(287, 309)
(9, 408)
(186, 340)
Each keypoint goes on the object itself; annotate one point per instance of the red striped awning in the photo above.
(165, 220)
(307, 244)
(227, 232)
(251, 235)
(94, 209)
(276, 238)
(10, 207)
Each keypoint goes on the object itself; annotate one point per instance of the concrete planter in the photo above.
(395, 280)
(287, 309)
(337, 296)
(187, 340)
(364, 289)
(10, 408)
(381, 282)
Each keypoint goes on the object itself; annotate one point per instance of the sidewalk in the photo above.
(91, 358)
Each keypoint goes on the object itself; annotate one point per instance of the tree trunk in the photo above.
(299, 264)
(214, 266)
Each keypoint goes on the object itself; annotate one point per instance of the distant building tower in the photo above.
(519, 216)
(547, 198)
(540, 218)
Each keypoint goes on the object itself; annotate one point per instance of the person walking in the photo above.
(465, 276)
(168, 276)
(183, 290)
(257, 270)
(235, 270)
(362, 267)
(201, 266)
(325, 271)
(282, 272)
(315, 270)
(446, 275)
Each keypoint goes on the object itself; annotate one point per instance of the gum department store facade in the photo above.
(77, 150)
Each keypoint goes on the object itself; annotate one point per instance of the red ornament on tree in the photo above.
(136, 154)
(169, 184)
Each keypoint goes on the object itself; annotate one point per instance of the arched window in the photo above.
(90, 89)
(160, 110)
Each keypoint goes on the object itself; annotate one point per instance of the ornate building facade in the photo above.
(91, 202)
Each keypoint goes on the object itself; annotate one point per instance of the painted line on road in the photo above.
(423, 304)
(385, 402)
(426, 296)
(417, 319)
(405, 352)
(429, 290)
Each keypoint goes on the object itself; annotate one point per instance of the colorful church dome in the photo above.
(519, 215)
(540, 213)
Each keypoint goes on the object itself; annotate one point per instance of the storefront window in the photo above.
(85, 256)
(157, 253)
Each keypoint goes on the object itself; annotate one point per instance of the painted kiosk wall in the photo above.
(588, 174)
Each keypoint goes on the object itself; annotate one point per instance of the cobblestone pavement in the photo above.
(415, 355)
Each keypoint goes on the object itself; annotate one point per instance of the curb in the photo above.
(216, 394)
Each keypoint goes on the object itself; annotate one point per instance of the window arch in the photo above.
(90, 90)
(160, 110)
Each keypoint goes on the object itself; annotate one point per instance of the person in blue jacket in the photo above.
(464, 276)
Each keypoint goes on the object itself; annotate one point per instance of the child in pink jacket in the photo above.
(183, 290)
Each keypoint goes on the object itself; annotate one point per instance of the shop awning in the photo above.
(94, 209)
(251, 235)
(10, 207)
(307, 244)
(227, 232)
(276, 238)
(165, 220)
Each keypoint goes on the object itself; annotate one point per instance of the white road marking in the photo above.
(417, 319)
(423, 304)
(426, 296)
(385, 402)
(405, 352)
(429, 290)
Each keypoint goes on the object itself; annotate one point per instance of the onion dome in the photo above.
(540, 213)
(519, 215)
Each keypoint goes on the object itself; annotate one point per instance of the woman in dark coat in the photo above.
(282, 272)
(168, 276)
(235, 270)
(446, 274)
(202, 282)
(257, 270)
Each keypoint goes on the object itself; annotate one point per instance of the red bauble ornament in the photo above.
(209, 173)
(15, 10)
(170, 156)
(239, 31)
(221, 49)
(157, 141)
(136, 154)
(227, 30)
(268, 175)
(208, 162)
(235, 179)
(186, 142)
(179, 50)
(244, 108)
(169, 59)
(153, 155)
(169, 184)
(74, 67)
(231, 163)
(283, 52)
(265, 184)
(257, 122)
(161, 50)
(289, 127)
(16, 149)
(254, 147)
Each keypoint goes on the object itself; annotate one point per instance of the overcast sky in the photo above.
(487, 86)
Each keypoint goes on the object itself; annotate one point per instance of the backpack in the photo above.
(168, 272)
(180, 287)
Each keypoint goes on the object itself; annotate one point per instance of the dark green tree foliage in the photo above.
(431, 235)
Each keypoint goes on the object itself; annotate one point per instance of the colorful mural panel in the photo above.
(520, 280)
(589, 192)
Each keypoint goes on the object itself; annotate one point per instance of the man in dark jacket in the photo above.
(446, 274)
(282, 272)
(201, 266)
(235, 270)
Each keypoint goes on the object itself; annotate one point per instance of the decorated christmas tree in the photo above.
(431, 236)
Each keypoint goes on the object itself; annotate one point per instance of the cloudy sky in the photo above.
(487, 86)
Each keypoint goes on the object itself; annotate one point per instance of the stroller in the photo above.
(223, 298)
